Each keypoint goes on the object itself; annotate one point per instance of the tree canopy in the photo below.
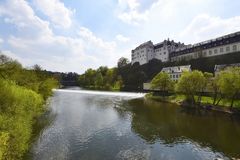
(162, 82)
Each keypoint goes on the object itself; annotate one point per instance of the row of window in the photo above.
(221, 50)
(157, 50)
(160, 53)
(205, 53)
(175, 76)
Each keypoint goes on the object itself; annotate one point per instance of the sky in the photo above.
(74, 35)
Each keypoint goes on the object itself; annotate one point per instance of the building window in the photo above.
(221, 50)
(215, 51)
(227, 48)
(210, 52)
(164, 53)
(176, 76)
(204, 53)
(173, 76)
(234, 47)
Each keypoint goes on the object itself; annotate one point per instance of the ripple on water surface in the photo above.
(109, 125)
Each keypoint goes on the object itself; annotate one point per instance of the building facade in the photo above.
(172, 51)
(148, 51)
(176, 71)
(222, 45)
(222, 67)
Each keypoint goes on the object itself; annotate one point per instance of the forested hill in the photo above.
(134, 76)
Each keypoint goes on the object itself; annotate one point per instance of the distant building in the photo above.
(222, 45)
(176, 71)
(172, 51)
(222, 67)
(148, 51)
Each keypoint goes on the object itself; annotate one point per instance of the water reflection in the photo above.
(118, 126)
(172, 125)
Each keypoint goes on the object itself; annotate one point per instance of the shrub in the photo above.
(18, 109)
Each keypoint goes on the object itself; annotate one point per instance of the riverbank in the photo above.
(206, 103)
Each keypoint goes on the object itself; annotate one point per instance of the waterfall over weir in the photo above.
(108, 93)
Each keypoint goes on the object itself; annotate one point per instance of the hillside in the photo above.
(135, 75)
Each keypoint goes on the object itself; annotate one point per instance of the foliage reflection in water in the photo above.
(105, 126)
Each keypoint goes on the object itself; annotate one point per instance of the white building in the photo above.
(172, 51)
(223, 45)
(147, 51)
(176, 71)
(222, 67)
(143, 53)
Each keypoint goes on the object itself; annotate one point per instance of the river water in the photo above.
(90, 125)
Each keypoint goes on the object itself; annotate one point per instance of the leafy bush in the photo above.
(18, 109)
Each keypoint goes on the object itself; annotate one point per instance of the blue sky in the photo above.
(73, 35)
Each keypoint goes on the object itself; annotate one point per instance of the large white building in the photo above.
(171, 51)
(222, 45)
(148, 51)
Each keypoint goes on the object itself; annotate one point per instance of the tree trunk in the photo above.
(219, 99)
(232, 103)
(193, 100)
(214, 98)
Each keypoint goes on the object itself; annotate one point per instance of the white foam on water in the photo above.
(122, 94)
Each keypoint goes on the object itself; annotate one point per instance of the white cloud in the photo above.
(94, 42)
(56, 11)
(36, 43)
(129, 12)
(1, 41)
(19, 13)
(122, 38)
(204, 27)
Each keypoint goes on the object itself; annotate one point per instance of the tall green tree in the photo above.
(162, 82)
(191, 84)
(122, 62)
(213, 87)
(99, 80)
(229, 82)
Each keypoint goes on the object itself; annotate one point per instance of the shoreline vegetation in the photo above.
(200, 90)
(206, 104)
(23, 97)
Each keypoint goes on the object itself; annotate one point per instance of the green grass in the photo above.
(205, 100)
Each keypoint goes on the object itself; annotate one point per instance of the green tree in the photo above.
(122, 62)
(8, 67)
(162, 82)
(191, 84)
(99, 80)
(213, 87)
(90, 77)
(229, 82)
(45, 87)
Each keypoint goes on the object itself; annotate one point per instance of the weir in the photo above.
(108, 93)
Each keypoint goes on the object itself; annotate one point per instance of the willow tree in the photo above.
(229, 81)
(191, 84)
(162, 82)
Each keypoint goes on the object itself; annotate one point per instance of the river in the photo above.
(90, 125)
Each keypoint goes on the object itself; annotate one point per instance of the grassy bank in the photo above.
(23, 94)
(206, 102)
(19, 109)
